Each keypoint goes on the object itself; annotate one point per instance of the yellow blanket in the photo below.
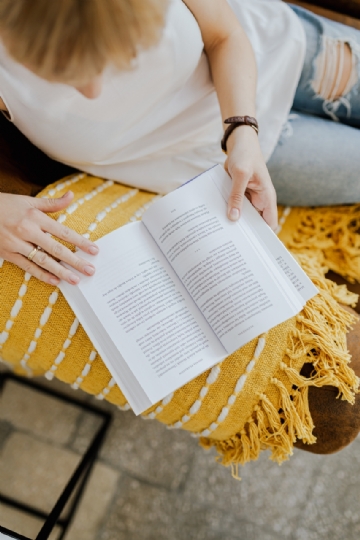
(253, 400)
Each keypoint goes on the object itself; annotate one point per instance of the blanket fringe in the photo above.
(320, 339)
(330, 233)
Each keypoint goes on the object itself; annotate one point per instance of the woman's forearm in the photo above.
(231, 57)
(233, 69)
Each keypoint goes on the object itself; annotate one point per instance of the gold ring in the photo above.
(33, 252)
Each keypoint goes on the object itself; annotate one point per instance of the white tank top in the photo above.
(159, 124)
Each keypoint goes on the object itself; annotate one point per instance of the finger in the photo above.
(266, 203)
(68, 235)
(43, 260)
(33, 269)
(62, 253)
(248, 194)
(53, 205)
(240, 180)
(270, 214)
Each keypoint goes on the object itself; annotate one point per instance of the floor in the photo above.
(150, 483)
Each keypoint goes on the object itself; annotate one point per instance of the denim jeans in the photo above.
(317, 159)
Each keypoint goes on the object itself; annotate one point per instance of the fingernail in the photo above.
(54, 281)
(93, 250)
(89, 270)
(65, 194)
(234, 214)
(74, 279)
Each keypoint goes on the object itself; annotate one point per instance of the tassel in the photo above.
(297, 425)
(272, 414)
(301, 403)
(245, 454)
(329, 235)
(255, 446)
(279, 434)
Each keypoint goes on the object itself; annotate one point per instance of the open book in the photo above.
(178, 292)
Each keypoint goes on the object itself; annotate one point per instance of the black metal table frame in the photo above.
(79, 477)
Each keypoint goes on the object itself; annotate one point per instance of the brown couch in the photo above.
(350, 8)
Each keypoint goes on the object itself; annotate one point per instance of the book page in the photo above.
(147, 313)
(218, 264)
(253, 225)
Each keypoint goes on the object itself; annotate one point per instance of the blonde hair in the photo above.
(73, 40)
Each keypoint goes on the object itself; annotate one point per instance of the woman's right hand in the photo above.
(24, 225)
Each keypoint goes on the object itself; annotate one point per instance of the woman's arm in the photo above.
(23, 219)
(233, 69)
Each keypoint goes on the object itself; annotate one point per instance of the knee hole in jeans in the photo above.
(335, 70)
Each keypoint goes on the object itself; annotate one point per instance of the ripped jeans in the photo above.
(317, 159)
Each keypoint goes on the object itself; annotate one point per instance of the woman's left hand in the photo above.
(246, 166)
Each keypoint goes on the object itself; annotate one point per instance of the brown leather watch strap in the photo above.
(236, 121)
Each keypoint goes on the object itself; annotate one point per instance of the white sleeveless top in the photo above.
(159, 124)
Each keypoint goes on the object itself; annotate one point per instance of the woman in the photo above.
(123, 90)
(61, 98)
